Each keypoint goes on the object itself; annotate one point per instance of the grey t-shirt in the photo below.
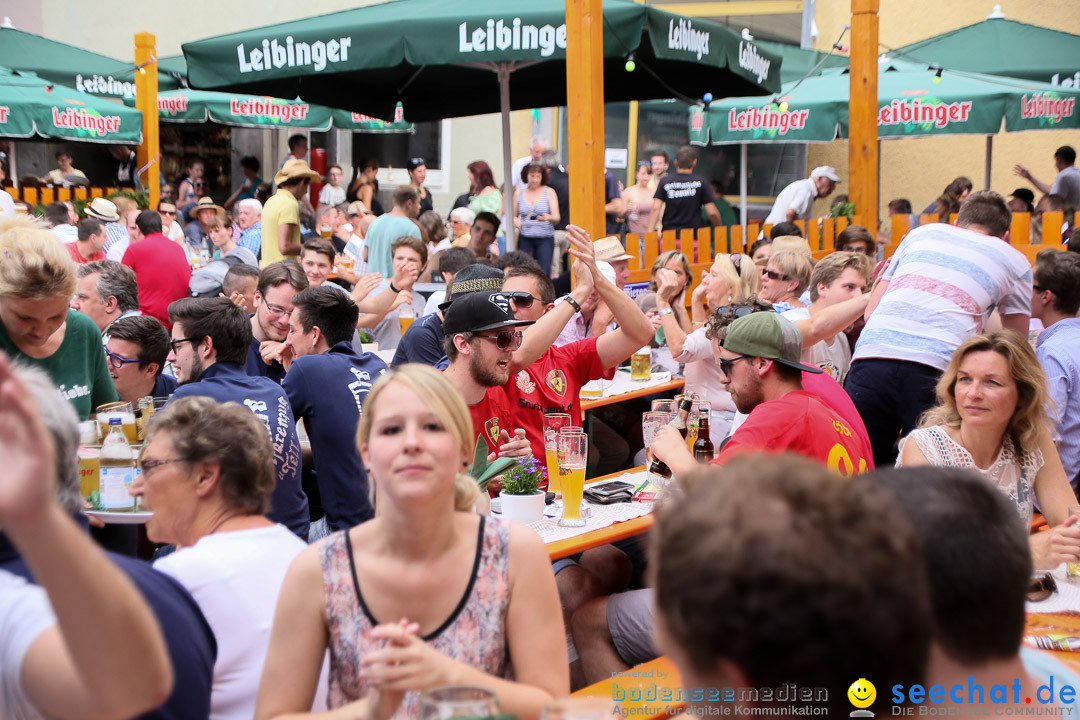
(1067, 185)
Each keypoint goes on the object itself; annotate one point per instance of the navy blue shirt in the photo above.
(421, 343)
(188, 637)
(328, 391)
(164, 385)
(227, 382)
(255, 367)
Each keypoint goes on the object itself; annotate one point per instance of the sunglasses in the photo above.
(417, 161)
(505, 340)
(775, 275)
(725, 364)
(735, 311)
(117, 361)
(522, 299)
(1041, 588)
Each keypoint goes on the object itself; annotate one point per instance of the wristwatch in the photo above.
(665, 311)
(573, 303)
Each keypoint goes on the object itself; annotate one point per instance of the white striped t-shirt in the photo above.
(944, 282)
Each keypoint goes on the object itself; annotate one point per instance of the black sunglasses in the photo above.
(505, 340)
(725, 365)
(735, 311)
(775, 275)
(521, 298)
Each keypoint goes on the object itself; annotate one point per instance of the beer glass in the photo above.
(651, 422)
(456, 701)
(122, 410)
(641, 365)
(665, 405)
(573, 457)
(406, 315)
(553, 423)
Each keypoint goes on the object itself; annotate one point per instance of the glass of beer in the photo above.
(122, 410)
(573, 457)
(651, 422)
(458, 701)
(553, 423)
(1072, 570)
(406, 315)
(641, 364)
(89, 471)
(665, 405)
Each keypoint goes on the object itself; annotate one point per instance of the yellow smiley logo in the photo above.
(862, 693)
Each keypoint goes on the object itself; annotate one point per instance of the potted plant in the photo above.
(367, 341)
(521, 497)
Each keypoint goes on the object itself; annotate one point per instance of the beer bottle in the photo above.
(658, 469)
(703, 447)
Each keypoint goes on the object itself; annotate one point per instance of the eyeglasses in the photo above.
(735, 311)
(522, 299)
(725, 364)
(147, 465)
(116, 361)
(274, 309)
(1042, 588)
(505, 340)
(1038, 288)
(175, 344)
(166, 212)
(775, 275)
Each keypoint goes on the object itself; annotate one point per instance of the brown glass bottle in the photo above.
(658, 468)
(703, 447)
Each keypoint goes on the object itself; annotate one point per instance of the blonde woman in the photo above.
(785, 277)
(991, 418)
(37, 281)
(427, 593)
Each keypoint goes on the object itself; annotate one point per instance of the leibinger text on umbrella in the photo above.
(275, 110)
(496, 34)
(293, 54)
(902, 112)
(104, 86)
(1040, 105)
(172, 104)
(4, 110)
(684, 37)
(82, 120)
(750, 59)
(767, 119)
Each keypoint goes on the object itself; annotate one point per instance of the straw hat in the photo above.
(293, 169)
(610, 248)
(102, 209)
(206, 203)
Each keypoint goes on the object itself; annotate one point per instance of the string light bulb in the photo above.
(937, 76)
(630, 64)
(707, 98)
(783, 106)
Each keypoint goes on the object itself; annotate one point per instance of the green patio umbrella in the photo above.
(445, 58)
(30, 106)
(997, 46)
(85, 71)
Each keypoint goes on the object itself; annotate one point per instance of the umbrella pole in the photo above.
(742, 187)
(503, 72)
(989, 157)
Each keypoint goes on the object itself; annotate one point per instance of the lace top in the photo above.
(1012, 475)
(475, 633)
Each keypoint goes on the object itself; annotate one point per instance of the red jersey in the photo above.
(162, 270)
(830, 393)
(552, 384)
(73, 250)
(801, 423)
(490, 416)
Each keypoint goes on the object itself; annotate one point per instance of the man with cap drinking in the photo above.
(197, 232)
(796, 201)
(281, 214)
(759, 359)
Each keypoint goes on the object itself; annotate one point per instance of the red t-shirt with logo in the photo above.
(801, 423)
(491, 415)
(552, 384)
(830, 393)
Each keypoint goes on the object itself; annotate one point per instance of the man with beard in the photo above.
(210, 339)
(278, 283)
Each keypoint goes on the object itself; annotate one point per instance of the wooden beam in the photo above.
(730, 9)
(585, 113)
(146, 100)
(863, 111)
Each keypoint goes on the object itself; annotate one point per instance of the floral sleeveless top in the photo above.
(1010, 473)
(475, 632)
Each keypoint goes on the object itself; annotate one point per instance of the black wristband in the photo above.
(392, 288)
(573, 303)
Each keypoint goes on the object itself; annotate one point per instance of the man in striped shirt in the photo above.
(939, 289)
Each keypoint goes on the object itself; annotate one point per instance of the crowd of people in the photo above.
(355, 570)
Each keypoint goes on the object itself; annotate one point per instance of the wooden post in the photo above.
(146, 100)
(863, 111)
(585, 113)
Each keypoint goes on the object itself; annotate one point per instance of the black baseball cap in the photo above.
(479, 311)
(1024, 194)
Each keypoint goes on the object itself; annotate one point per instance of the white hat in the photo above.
(826, 172)
(102, 209)
(606, 270)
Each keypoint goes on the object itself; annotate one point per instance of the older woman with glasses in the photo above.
(427, 593)
(207, 475)
(37, 280)
(784, 279)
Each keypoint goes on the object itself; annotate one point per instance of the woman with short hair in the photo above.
(991, 418)
(37, 281)
(427, 593)
(536, 212)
